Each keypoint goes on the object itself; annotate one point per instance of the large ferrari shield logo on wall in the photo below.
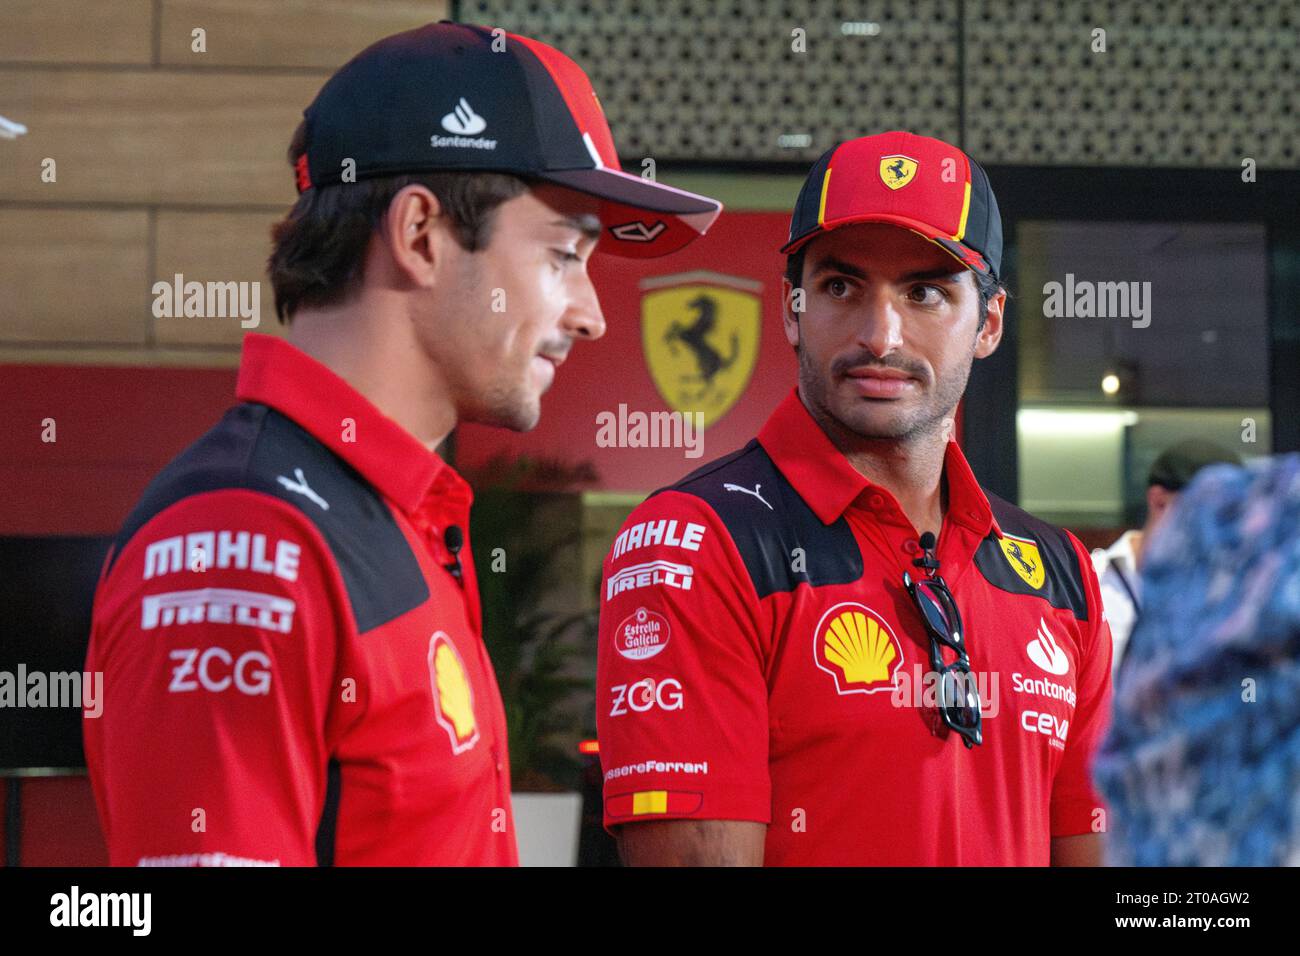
(700, 333)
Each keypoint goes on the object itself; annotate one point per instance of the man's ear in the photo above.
(1158, 499)
(986, 342)
(789, 314)
(416, 234)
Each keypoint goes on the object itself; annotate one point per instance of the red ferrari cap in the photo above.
(919, 183)
(449, 96)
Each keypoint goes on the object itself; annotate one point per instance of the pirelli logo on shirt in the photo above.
(270, 612)
(668, 573)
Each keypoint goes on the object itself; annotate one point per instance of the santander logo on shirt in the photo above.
(1046, 653)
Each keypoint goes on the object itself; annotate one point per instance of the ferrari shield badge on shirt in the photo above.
(1023, 556)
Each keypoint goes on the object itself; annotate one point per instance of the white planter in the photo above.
(548, 825)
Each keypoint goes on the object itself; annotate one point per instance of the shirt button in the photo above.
(876, 501)
(910, 546)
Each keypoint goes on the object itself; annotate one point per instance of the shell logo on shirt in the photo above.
(854, 645)
(1022, 554)
(453, 698)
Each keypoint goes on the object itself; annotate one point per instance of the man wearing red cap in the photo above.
(288, 624)
(832, 646)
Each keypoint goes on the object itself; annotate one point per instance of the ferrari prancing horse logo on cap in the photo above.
(897, 171)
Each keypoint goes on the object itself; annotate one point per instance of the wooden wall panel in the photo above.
(214, 247)
(167, 161)
(152, 136)
(323, 34)
(76, 31)
(73, 275)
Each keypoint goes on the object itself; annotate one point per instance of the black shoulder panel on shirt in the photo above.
(253, 447)
(768, 521)
(1013, 567)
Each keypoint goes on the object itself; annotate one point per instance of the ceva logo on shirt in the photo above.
(1046, 653)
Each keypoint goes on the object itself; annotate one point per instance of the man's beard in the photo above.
(817, 386)
(511, 407)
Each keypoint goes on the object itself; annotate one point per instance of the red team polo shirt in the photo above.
(292, 674)
(760, 659)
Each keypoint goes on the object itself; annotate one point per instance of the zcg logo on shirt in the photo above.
(645, 695)
(453, 697)
(250, 673)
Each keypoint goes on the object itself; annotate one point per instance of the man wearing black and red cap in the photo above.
(288, 624)
(832, 646)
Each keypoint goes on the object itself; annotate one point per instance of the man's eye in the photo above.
(567, 255)
(927, 294)
(837, 288)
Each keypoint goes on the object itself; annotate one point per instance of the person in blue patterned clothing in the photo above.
(1201, 766)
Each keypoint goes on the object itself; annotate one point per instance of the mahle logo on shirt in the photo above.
(854, 645)
(453, 698)
(1023, 556)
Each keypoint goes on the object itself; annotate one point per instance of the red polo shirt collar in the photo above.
(273, 372)
(827, 482)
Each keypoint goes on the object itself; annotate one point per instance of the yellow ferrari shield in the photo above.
(897, 171)
(700, 333)
(1022, 554)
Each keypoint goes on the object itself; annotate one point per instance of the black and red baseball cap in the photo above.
(450, 96)
(919, 183)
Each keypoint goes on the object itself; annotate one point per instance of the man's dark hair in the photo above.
(985, 285)
(319, 250)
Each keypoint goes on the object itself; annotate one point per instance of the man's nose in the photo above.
(583, 319)
(880, 327)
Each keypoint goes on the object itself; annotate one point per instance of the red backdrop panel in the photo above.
(114, 429)
(60, 823)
